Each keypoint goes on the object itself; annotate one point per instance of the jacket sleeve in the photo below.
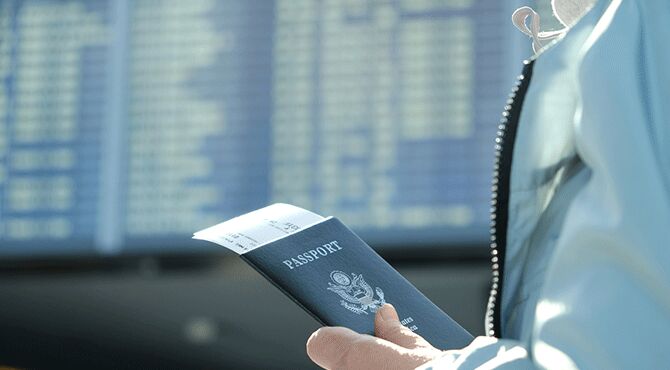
(605, 303)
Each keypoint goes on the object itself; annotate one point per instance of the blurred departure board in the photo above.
(127, 125)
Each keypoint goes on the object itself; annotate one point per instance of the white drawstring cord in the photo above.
(540, 39)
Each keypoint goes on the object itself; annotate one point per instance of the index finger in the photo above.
(342, 348)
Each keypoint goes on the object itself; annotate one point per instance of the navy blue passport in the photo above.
(338, 279)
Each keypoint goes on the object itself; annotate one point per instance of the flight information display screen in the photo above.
(127, 125)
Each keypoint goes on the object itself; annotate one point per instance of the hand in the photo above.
(393, 347)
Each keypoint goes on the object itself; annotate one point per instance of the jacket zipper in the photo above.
(504, 149)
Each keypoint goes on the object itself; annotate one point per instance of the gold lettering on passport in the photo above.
(357, 295)
(312, 255)
(407, 321)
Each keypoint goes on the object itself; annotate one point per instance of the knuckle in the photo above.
(392, 331)
(351, 356)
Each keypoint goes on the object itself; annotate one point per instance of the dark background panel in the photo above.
(212, 314)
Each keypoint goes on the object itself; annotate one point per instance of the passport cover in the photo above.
(339, 280)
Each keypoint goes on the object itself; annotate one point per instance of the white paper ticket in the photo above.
(255, 229)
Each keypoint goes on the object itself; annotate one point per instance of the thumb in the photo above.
(388, 326)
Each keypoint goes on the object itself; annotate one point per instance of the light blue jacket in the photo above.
(587, 263)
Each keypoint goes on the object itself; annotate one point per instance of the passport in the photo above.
(330, 272)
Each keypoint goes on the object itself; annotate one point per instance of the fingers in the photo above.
(388, 326)
(329, 346)
(341, 348)
(395, 347)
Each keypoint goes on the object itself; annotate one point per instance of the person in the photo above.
(581, 237)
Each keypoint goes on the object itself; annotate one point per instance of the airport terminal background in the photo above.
(127, 125)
